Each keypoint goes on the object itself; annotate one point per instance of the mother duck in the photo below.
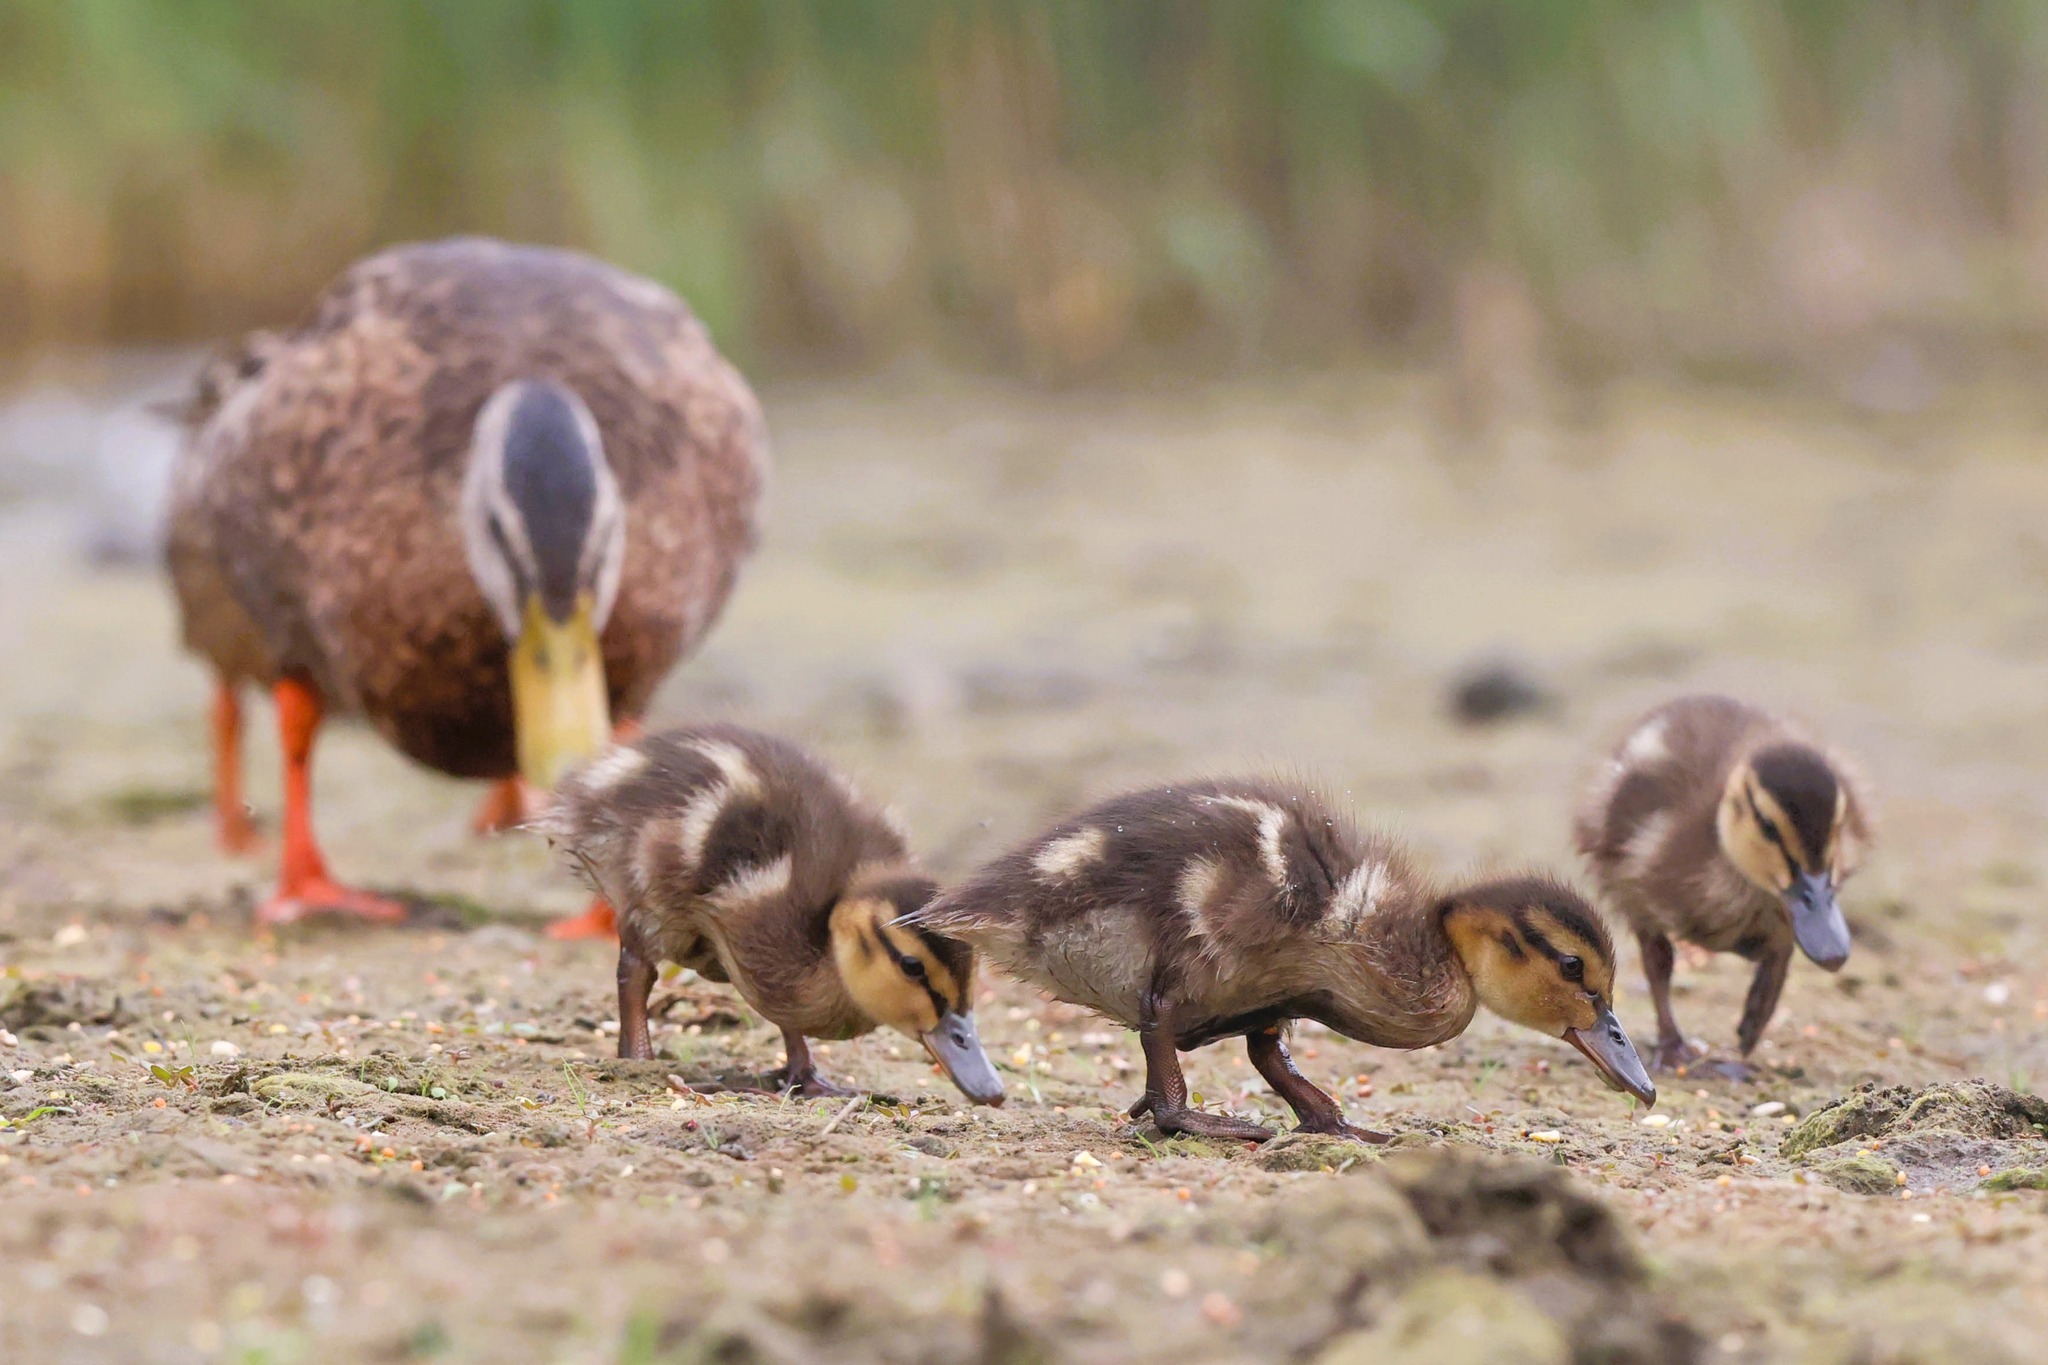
(484, 496)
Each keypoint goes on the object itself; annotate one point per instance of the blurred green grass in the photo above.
(1057, 187)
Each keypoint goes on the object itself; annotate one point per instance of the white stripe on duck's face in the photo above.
(541, 511)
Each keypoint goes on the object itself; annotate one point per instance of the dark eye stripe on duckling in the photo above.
(887, 948)
(1804, 787)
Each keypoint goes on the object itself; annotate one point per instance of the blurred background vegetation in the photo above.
(1064, 188)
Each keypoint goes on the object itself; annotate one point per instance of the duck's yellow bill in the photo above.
(560, 713)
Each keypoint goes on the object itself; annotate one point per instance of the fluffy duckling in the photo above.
(739, 855)
(1223, 909)
(1715, 823)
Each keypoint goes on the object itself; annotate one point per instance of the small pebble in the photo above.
(1769, 1109)
(1547, 1135)
(1175, 1283)
(1085, 1159)
(223, 1048)
(1656, 1120)
(1220, 1310)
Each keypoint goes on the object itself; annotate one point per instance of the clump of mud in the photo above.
(44, 1008)
(1937, 1137)
(1456, 1257)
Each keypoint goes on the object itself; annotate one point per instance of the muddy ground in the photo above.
(337, 1143)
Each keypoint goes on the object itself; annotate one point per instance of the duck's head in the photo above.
(1538, 955)
(1783, 822)
(911, 979)
(545, 533)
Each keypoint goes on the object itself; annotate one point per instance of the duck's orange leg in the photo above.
(232, 827)
(508, 804)
(600, 920)
(303, 887)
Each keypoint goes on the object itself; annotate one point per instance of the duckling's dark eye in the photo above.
(912, 967)
(1573, 968)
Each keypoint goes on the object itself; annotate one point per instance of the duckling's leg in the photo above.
(231, 823)
(1773, 962)
(799, 1073)
(636, 983)
(1166, 1089)
(304, 888)
(1673, 1051)
(1317, 1112)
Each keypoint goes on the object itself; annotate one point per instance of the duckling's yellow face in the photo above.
(1784, 821)
(915, 982)
(1538, 956)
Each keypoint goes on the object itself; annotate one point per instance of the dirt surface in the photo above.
(336, 1143)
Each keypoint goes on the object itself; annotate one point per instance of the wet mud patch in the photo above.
(1950, 1137)
(1454, 1256)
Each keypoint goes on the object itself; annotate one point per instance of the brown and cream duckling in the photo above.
(1222, 909)
(739, 855)
(484, 496)
(1716, 824)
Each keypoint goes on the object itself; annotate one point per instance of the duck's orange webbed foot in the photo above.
(508, 804)
(596, 922)
(319, 896)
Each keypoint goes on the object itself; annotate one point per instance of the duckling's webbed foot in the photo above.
(1191, 1122)
(799, 1075)
(1166, 1089)
(1316, 1111)
(1673, 1052)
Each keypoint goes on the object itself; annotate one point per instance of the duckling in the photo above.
(737, 854)
(484, 496)
(1716, 823)
(1215, 910)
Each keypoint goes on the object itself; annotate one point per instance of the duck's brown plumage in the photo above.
(313, 523)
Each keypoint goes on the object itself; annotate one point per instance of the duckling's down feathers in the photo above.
(1229, 900)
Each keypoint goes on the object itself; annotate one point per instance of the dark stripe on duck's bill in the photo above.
(551, 476)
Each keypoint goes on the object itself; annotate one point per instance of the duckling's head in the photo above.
(1782, 822)
(545, 533)
(1538, 955)
(911, 979)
